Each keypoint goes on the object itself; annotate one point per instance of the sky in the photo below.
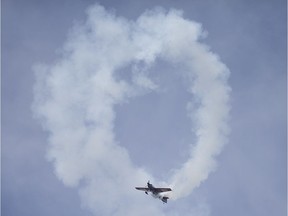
(100, 97)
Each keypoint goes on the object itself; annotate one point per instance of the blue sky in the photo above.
(154, 128)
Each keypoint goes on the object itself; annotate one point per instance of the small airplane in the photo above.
(155, 191)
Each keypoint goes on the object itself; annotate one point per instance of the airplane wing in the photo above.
(160, 190)
(143, 189)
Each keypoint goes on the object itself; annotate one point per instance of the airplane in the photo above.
(155, 191)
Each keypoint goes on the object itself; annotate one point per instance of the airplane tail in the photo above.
(164, 199)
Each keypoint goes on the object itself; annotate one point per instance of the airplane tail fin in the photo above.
(164, 199)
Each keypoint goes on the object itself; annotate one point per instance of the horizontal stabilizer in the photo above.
(164, 199)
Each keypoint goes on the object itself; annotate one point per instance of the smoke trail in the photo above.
(75, 100)
(210, 116)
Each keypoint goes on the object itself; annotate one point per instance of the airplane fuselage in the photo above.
(152, 188)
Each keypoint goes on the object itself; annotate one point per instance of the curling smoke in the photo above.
(75, 100)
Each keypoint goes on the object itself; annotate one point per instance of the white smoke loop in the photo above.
(76, 96)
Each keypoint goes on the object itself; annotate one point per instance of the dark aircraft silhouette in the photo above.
(155, 191)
